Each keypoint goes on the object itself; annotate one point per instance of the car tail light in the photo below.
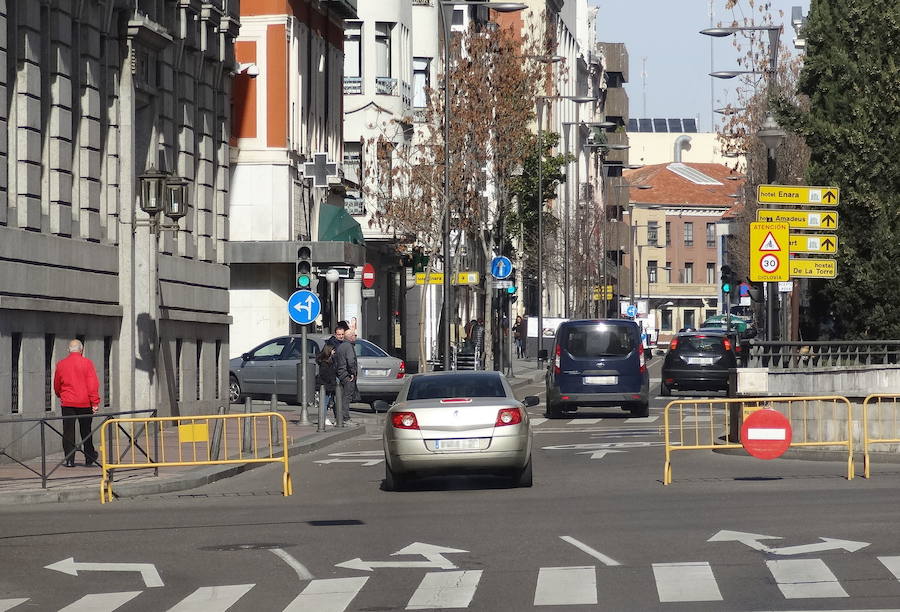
(673, 344)
(404, 420)
(726, 343)
(402, 371)
(508, 416)
(641, 358)
(556, 360)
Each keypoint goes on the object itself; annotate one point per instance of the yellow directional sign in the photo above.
(791, 194)
(437, 278)
(769, 252)
(813, 268)
(800, 219)
(808, 243)
(598, 293)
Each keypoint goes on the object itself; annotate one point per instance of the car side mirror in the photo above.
(531, 400)
(245, 357)
(381, 406)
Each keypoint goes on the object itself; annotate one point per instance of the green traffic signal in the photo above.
(304, 268)
(510, 290)
(726, 288)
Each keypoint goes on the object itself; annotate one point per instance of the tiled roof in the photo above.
(672, 188)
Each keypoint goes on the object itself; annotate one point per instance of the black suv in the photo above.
(698, 360)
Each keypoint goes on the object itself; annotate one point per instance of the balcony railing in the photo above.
(352, 85)
(420, 115)
(421, 2)
(355, 206)
(386, 86)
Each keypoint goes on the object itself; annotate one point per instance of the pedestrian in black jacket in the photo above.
(327, 377)
(338, 336)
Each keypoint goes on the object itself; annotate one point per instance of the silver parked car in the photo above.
(272, 367)
(449, 422)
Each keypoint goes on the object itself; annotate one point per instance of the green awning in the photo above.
(336, 225)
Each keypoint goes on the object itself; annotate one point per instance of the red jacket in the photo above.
(76, 382)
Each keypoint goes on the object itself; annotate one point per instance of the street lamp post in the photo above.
(443, 7)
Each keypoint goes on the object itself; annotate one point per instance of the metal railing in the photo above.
(43, 424)
(823, 354)
(386, 86)
(881, 424)
(715, 424)
(352, 85)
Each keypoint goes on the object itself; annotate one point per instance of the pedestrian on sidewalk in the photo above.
(327, 377)
(345, 360)
(77, 388)
(517, 336)
(338, 336)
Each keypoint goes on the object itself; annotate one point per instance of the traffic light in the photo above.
(728, 279)
(304, 267)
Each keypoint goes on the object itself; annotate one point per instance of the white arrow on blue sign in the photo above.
(501, 267)
(304, 306)
(631, 311)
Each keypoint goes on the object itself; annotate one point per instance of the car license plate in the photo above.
(601, 380)
(376, 372)
(701, 360)
(457, 444)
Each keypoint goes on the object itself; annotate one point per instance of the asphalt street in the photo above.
(598, 530)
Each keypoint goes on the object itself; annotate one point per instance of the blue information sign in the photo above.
(501, 267)
(631, 311)
(304, 306)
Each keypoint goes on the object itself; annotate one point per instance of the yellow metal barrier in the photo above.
(885, 405)
(716, 424)
(155, 442)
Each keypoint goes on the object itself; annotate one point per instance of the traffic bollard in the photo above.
(247, 433)
(323, 409)
(339, 405)
(216, 444)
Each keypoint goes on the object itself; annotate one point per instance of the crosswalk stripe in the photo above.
(535, 421)
(101, 602)
(445, 590)
(584, 421)
(648, 419)
(690, 581)
(327, 595)
(805, 578)
(212, 599)
(893, 565)
(563, 586)
(9, 604)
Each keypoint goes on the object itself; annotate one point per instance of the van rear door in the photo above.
(599, 357)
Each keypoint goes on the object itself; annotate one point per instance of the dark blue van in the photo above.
(598, 363)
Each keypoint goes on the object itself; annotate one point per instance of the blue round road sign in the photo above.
(631, 311)
(501, 267)
(303, 307)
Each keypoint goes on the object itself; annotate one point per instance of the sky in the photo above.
(677, 65)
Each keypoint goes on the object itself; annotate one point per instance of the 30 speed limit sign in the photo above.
(769, 244)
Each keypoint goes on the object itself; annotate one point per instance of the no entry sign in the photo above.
(368, 276)
(766, 434)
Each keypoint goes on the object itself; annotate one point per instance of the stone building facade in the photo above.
(92, 95)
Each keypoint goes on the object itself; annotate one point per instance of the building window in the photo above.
(107, 370)
(668, 270)
(383, 49)
(199, 369)
(421, 81)
(668, 233)
(688, 234)
(666, 323)
(49, 339)
(652, 233)
(689, 318)
(711, 235)
(710, 273)
(15, 373)
(688, 272)
(353, 49)
(178, 370)
(218, 367)
(652, 272)
(710, 312)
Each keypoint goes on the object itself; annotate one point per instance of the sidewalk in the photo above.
(526, 371)
(20, 486)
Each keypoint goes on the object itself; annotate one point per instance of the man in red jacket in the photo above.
(76, 386)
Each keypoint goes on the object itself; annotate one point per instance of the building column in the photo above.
(352, 307)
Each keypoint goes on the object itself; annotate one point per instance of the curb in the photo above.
(190, 479)
(527, 380)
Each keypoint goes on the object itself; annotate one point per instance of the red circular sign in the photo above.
(368, 276)
(769, 263)
(766, 434)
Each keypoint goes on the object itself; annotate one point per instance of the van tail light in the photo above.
(641, 358)
(404, 420)
(556, 360)
(727, 343)
(402, 371)
(508, 416)
(673, 344)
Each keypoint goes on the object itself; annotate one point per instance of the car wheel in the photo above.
(234, 390)
(392, 480)
(640, 410)
(664, 389)
(554, 411)
(524, 478)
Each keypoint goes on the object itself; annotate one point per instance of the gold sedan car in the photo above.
(457, 422)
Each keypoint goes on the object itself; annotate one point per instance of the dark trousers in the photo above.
(85, 416)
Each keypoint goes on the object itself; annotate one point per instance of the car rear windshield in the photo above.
(455, 385)
(592, 340)
(702, 344)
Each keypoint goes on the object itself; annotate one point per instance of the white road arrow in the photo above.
(148, 570)
(600, 454)
(433, 554)
(364, 462)
(752, 540)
